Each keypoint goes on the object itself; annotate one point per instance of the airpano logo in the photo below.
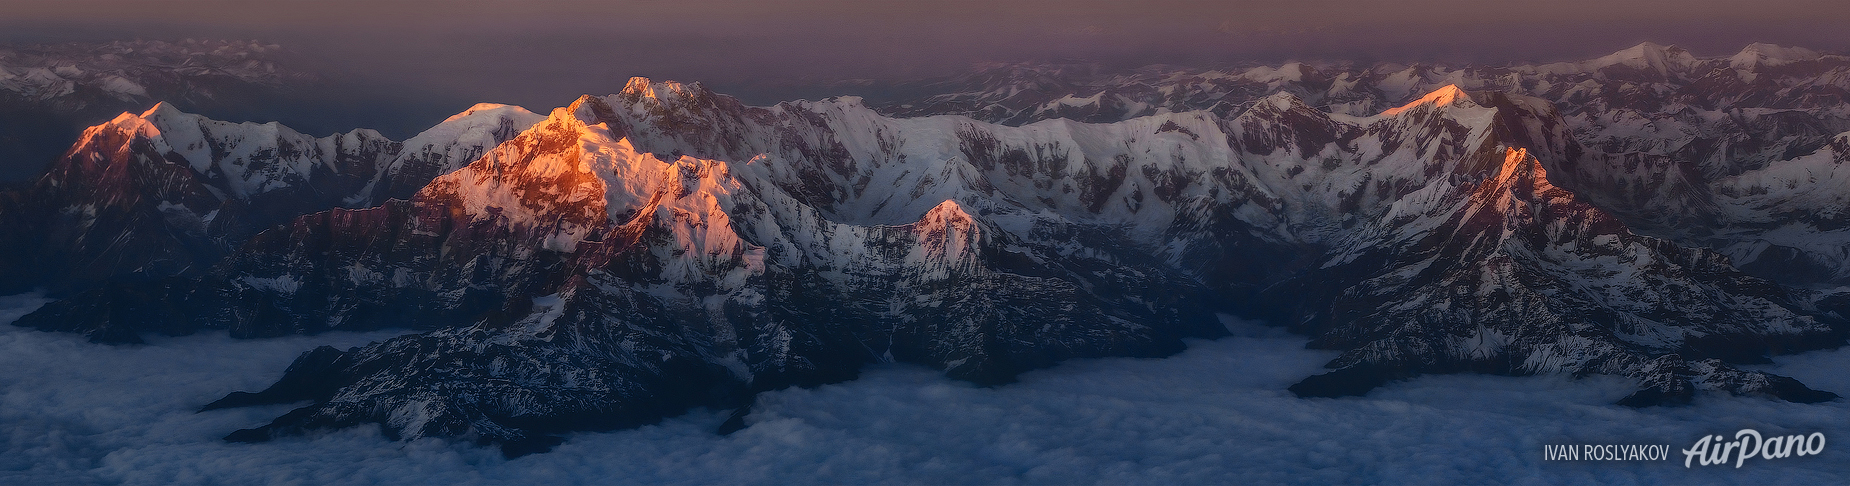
(1748, 444)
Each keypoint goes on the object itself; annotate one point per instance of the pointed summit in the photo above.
(947, 237)
(1445, 96)
(639, 86)
(161, 113)
(1520, 167)
(168, 128)
(946, 212)
(162, 109)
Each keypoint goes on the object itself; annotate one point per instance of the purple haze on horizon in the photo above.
(542, 53)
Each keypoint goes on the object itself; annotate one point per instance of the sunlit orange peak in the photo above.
(161, 109)
(1518, 164)
(641, 86)
(949, 210)
(145, 122)
(1445, 96)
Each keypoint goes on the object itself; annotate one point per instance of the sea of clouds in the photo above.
(72, 412)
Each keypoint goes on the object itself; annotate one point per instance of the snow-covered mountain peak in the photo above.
(1646, 56)
(151, 123)
(1448, 95)
(945, 214)
(482, 116)
(1521, 168)
(485, 108)
(579, 120)
(164, 192)
(544, 170)
(640, 86)
(162, 109)
(947, 237)
(1769, 55)
(193, 138)
(643, 88)
(152, 120)
(459, 140)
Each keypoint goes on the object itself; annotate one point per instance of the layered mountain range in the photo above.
(1685, 148)
(80, 74)
(168, 193)
(628, 257)
(50, 92)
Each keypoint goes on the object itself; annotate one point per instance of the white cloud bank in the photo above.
(78, 413)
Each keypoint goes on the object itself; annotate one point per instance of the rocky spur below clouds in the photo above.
(73, 412)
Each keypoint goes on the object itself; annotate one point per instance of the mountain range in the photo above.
(628, 257)
(50, 92)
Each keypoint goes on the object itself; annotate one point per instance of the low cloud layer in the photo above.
(74, 412)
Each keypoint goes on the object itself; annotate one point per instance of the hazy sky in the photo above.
(543, 52)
